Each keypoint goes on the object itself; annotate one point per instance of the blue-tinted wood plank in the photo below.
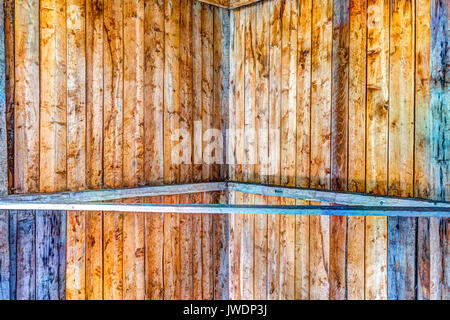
(26, 254)
(48, 249)
(12, 253)
(401, 258)
(4, 256)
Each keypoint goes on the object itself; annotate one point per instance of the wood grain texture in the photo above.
(8, 13)
(339, 143)
(113, 146)
(76, 146)
(321, 60)
(401, 237)
(133, 147)
(303, 139)
(357, 145)
(171, 150)
(221, 79)
(5, 263)
(273, 222)
(53, 99)
(186, 129)
(4, 215)
(94, 143)
(26, 142)
(376, 144)
(154, 29)
(262, 142)
(439, 97)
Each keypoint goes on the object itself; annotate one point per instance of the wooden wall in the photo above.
(342, 95)
(98, 94)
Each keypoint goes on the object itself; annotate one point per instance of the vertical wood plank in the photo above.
(171, 152)
(221, 78)
(13, 254)
(197, 146)
(154, 141)
(4, 215)
(26, 111)
(322, 14)
(289, 25)
(339, 143)
(26, 142)
(113, 146)
(250, 148)
(3, 110)
(376, 144)
(273, 223)
(53, 142)
(94, 144)
(439, 99)
(133, 146)
(357, 145)
(186, 133)
(235, 220)
(53, 103)
(302, 272)
(422, 149)
(262, 135)
(401, 231)
(49, 239)
(76, 147)
(8, 6)
(26, 255)
(5, 275)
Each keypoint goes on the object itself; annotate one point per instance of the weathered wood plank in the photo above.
(13, 254)
(5, 273)
(289, 37)
(113, 146)
(26, 97)
(26, 255)
(76, 147)
(197, 148)
(9, 85)
(262, 136)
(26, 142)
(4, 215)
(221, 79)
(422, 148)
(376, 143)
(439, 101)
(235, 220)
(172, 9)
(49, 239)
(302, 271)
(401, 248)
(154, 261)
(357, 145)
(133, 146)
(233, 4)
(250, 150)
(339, 143)
(53, 99)
(273, 223)
(322, 12)
(186, 129)
(154, 29)
(94, 143)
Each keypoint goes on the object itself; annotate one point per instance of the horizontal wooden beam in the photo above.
(114, 194)
(342, 198)
(230, 4)
(230, 209)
